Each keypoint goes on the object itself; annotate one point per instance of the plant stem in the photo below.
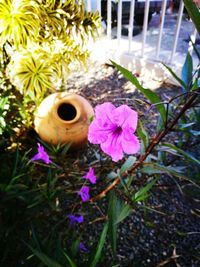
(153, 143)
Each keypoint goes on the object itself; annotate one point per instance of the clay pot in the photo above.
(64, 118)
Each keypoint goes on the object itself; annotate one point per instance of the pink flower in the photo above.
(90, 176)
(84, 193)
(113, 128)
(42, 154)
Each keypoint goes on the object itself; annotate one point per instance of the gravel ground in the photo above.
(170, 235)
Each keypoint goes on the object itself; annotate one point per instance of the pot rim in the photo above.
(72, 102)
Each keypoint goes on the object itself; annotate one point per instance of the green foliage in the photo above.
(117, 212)
(193, 12)
(187, 72)
(39, 43)
(141, 195)
(150, 95)
(127, 164)
(98, 252)
(44, 258)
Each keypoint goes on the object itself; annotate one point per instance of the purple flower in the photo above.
(113, 128)
(73, 219)
(42, 154)
(90, 176)
(82, 247)
(84, 193)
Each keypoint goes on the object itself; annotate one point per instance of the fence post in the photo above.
(130, 27)
(164, 4)
(109, 18)
(178, 26)
(145, 24)
(119, 21)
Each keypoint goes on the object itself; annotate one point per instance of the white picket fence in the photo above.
(163, 40)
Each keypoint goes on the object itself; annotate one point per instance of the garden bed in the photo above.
(167, 235)
(161, 231)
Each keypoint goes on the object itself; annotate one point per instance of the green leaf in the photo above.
(195, 85)
(186, 125)
(99, 247)
(69, 260)
(193, 13)
(117, 212)
(195, 48)
(112, 175)
(195, 133)
(143, 135)
(44, 258)
(185, 154)
(150, 170)
(172, 171)
(175, 76)
(125, 212)
(112, 218)
(142, 193)
(186, 72)
(127, 164)
(153, 97)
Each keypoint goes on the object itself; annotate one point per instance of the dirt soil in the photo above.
(169, 234)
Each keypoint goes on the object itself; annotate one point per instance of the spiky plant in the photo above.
(44, 37)
(39, 41)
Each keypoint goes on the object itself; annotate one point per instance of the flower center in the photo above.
(118, 130)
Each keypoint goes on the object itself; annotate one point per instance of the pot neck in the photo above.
(68, 112)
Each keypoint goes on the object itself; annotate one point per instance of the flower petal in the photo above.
(103, 113)
(42, 154)
(74, 219)
(36, 157)
(125, 117)
(84, 193)
(130, 142)
(95, 134)
(82, 247)
(90, 176)
(113, 147)
(102, 125)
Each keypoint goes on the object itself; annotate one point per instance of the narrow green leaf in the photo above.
(16, 162)
(100, 245)
(186, 125)
(195, 84)
(193, 12)
(151, 170)
(186, 72)
(152, 96)
(195, 133)
(185, 154)
(112, 218)
(195, 48)
(125, 211)
(44, 258)
(127, 164)
(69, 260)
(142, 193)
(112, 175)
(143, 135)
(172, 171)
(175, 76)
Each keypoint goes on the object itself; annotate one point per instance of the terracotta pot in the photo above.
(64, 118)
